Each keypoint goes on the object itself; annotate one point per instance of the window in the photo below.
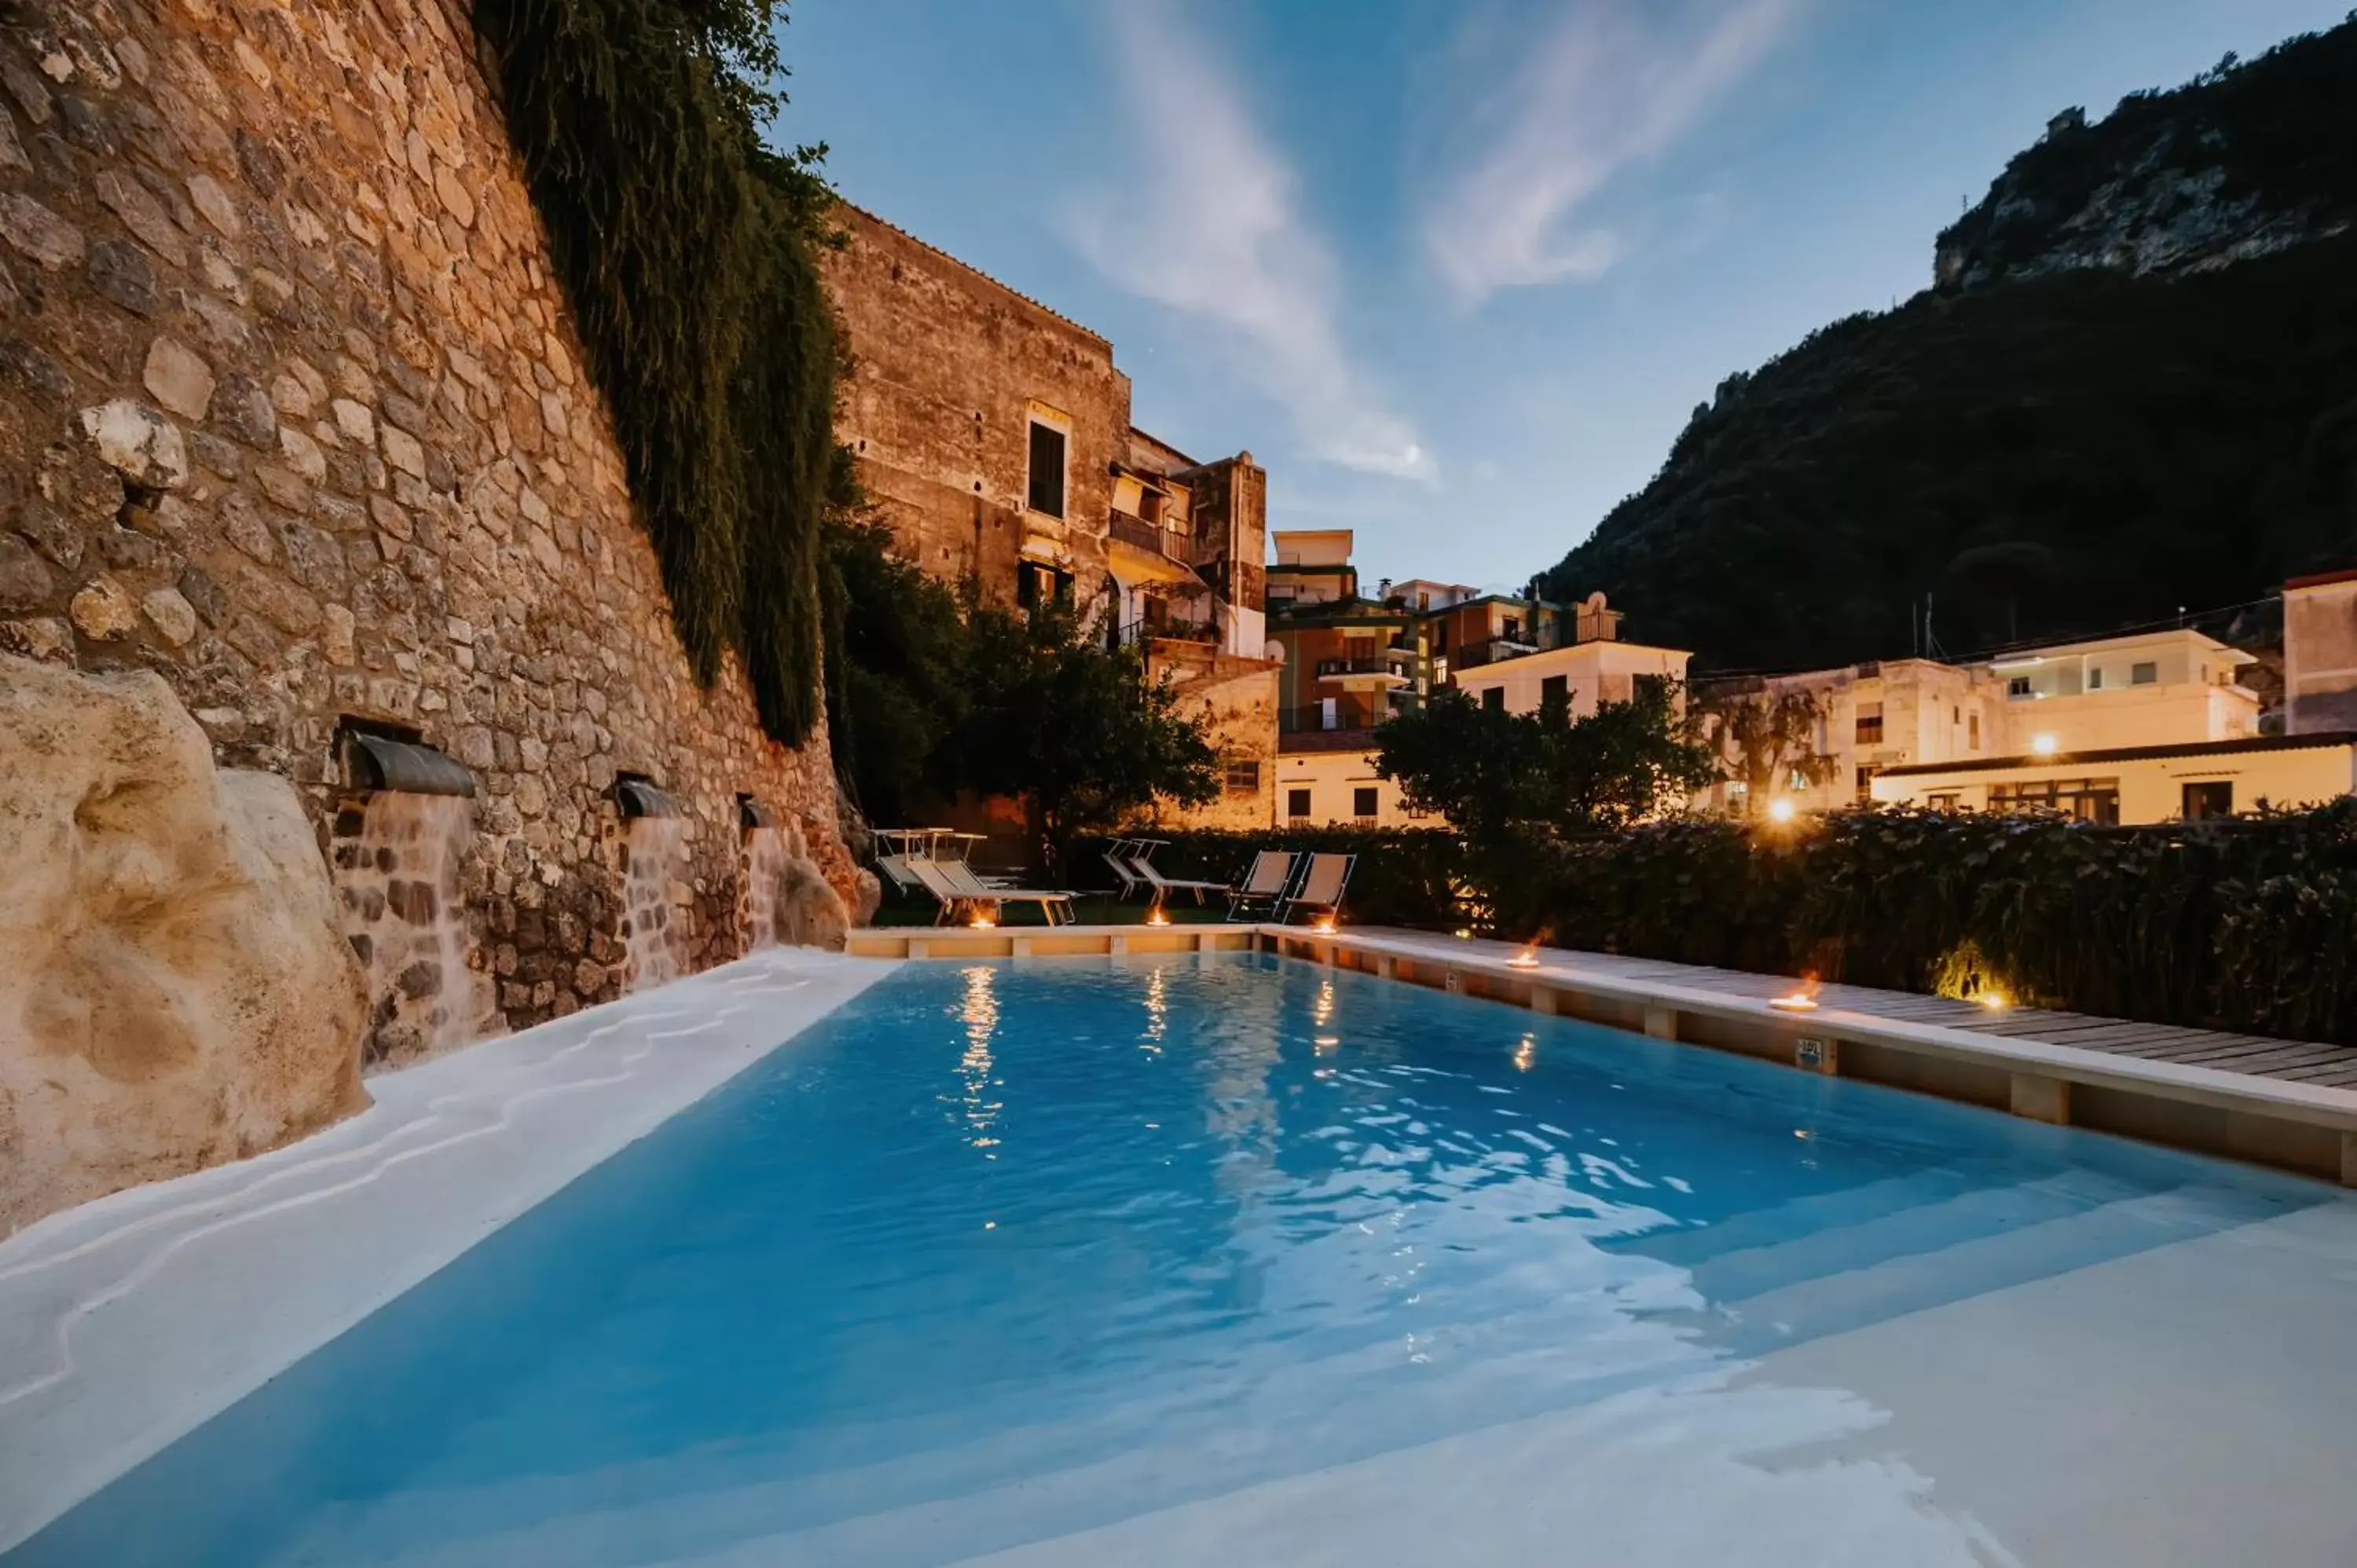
(1424, 601)
(1036, 585)
(1944, 802)
(1974, 735)
(1440, 637)
(1957, 716)
(1046, 489)
(2209, 798)
(1510, 628)
(1296, 802)
(1555, 694)
(2145, 674)
(1869, 725)
(1494, 699)
(2095, 679)
(1866, 783)
(1362, 803)
(2018, 687)
(2088, 800)
(1243, 775)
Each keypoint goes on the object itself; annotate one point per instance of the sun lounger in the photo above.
(1264, 885)
(1165, 885)
(961, 880)
(1322, 887)
(1117, 855)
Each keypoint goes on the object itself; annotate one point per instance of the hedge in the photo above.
(2247, 924)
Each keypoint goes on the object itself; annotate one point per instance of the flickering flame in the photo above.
(1325, 924)
(1157, 918)
(1802, 999)
(981, 921)
(1994, 1001)
(1526, 959)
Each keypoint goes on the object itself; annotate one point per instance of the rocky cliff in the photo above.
(2135, 394)
(2243, 161)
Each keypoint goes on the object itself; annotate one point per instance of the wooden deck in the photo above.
(2293, 1060)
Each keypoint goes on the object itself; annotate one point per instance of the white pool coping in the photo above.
(129, 1321)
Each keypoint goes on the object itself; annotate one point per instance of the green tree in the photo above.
(1764, 739)
(1074, 726)
(898, 660)
(1494, 774)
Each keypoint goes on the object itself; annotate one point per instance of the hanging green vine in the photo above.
(688, 251)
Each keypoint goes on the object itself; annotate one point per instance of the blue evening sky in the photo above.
(1457, 271)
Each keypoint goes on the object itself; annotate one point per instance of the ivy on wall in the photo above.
(688, 251)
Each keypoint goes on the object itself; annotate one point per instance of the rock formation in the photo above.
(176, 991)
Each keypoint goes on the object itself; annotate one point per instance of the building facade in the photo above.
(2320, 653)
(1919, 720)
(992, 435)
(2186, 781)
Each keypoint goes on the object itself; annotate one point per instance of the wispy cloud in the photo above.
(1611, 84)
(1213, 228)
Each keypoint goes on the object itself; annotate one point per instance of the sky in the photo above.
(1457, 272)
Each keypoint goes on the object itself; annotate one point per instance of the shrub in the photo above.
(687, 251)
(2246, 924)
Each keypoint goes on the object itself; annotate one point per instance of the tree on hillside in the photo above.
(1493, 773)
(1765, 739)
(1074, 726)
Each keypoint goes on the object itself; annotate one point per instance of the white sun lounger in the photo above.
(1264, 884)
(1322, 887)
(963, 884)
(1165, 885)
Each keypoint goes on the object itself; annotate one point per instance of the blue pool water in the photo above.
(1002, 1253)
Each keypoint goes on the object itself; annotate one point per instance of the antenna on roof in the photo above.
(1932, 649)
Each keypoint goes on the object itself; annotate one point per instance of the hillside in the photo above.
(2241, 161)
(2045, 447)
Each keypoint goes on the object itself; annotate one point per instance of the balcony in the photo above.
(1139, 633)
(1379, 673)
(1147, 552)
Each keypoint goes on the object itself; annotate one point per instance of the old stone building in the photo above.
(994, 436)
(291, 412)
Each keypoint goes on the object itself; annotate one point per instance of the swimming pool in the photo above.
(1233, 1260)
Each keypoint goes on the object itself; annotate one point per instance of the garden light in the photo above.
(1781, 810)
(2043, 745)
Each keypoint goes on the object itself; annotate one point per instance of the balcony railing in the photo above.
(1139, 633)
(1385, 663)
(1146, 535)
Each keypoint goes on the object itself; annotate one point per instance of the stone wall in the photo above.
(291, 412)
